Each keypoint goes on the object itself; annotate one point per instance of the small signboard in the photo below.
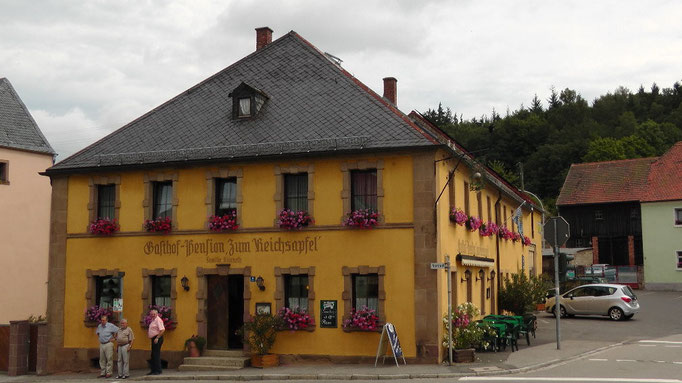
(437, 266)
(117, 305)
(389, 333)
(328, 314)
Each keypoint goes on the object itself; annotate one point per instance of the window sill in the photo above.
(354, 329)
(307, 329)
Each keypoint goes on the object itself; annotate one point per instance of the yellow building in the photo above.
(284, 128)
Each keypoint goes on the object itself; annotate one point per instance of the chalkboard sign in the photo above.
(328, 314)
(389, 332)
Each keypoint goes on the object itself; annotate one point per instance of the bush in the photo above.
(521, 294)
(260, 332)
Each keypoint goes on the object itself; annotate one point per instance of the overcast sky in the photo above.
(86, 68)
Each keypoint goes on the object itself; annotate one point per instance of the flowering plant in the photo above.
(161, 224)
(515, 237)
(226, 222)
(289, 219)
(164, 314)
(465, 332)
(362, 218)
(362, 319)
(487, 229)
(296, 319)
(458, 216)
(93, 313)
(473, 223)
(103, 226)
(504, 233)
(526, 241)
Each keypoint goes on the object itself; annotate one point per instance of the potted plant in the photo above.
(295, 319)
(103, 226)
(226, 222)
(93, 313)
(195, 345)
(260, 332)
(362, 319)
(362, 218)
(290, 219)
(159, 225)
(164, 313)
(466, 335)
(458, 216)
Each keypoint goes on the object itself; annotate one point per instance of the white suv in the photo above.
(616, 301)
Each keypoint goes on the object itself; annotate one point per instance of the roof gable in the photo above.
(18, 129)
(665, 178)
(605, 182)
(313, 106)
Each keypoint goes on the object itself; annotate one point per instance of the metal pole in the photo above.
(557, 296)
(449, 276)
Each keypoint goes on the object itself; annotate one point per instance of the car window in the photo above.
(628, 291)
(582, 292)
(601, 291)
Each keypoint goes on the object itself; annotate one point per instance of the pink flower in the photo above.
(362, 319)
(103, 226)
(161, 224)
(458, 216)
(226, 222)
(363, 218)
(289, 219)
(473, 223)
(296, 319)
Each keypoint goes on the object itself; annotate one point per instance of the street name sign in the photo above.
(437, 266)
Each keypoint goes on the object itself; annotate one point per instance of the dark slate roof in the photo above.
(18, 130)
(314, 106)
(665, 178)
(605, 182)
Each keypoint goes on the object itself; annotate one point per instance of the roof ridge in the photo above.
(367, 89)
(616, 161)
(174, 98)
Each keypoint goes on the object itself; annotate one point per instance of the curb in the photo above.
(276, 377)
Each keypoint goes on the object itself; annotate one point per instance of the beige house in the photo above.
(24, 209)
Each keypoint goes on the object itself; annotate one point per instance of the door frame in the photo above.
(202, 293)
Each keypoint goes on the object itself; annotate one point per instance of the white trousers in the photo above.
(123, 359)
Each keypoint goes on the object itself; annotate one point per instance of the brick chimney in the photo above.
(391, 89)
(263, 37)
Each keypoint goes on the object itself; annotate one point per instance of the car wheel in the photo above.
(616, 314)
(562, 310)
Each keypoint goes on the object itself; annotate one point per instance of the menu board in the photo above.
(328, 314)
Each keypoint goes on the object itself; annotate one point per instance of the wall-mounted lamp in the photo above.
(260, 282)
(492, 275)
(481, 275)
(467, 276)
(185, 283)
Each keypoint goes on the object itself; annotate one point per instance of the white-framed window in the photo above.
(678, 216)
(679, 260)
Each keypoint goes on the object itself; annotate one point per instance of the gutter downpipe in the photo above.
(497, 251)
(542, 233)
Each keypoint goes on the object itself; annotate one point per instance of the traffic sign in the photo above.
(558, 226)
(436, 266)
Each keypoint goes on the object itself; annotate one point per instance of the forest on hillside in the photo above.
(547, 136)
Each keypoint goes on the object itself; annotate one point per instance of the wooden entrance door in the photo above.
(224, 311)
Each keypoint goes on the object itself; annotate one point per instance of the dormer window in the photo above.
(247, 101)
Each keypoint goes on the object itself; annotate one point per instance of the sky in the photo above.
(86, 68)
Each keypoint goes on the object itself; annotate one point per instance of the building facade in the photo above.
(662, 223)
(24, 210)
(284, 128)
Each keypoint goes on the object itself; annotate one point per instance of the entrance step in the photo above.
(224, 353)
(216, 360)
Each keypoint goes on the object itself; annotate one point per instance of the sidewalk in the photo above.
(490, 363)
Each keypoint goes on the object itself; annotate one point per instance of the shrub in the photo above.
(260, 332)
(465, 332)
(521, 294)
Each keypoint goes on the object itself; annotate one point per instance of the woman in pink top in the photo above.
(155, 334)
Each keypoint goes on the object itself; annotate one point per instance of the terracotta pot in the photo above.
(265, 361)
(466, 355)
(193, 350)
(540, 307)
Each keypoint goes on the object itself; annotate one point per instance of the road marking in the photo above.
(677, 362)
(485, 369)
(556, 379)
(672, 346)
(599, 360)
(660, 342)
(625, 360)
(680, 297)
(647, 345)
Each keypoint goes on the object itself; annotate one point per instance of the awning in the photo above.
(472, 260)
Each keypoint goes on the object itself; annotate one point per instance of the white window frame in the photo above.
(675, 210)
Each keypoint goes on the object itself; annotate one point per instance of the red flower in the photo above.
(161, 224)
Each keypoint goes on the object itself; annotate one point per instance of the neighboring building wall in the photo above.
(662, 240)
(583, 258)
(24, 235)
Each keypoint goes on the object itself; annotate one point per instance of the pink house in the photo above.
(24, 210)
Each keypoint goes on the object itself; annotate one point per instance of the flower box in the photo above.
(363, 219)
(458, 216)
(164, 313)
(488, 229)
(103, 226)
(296, 319)
(526, 241)
(226, 222)
(473, 223)
(159, 225)
(466, 355)
(293, 220)
(363, 319)
(93, 314)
